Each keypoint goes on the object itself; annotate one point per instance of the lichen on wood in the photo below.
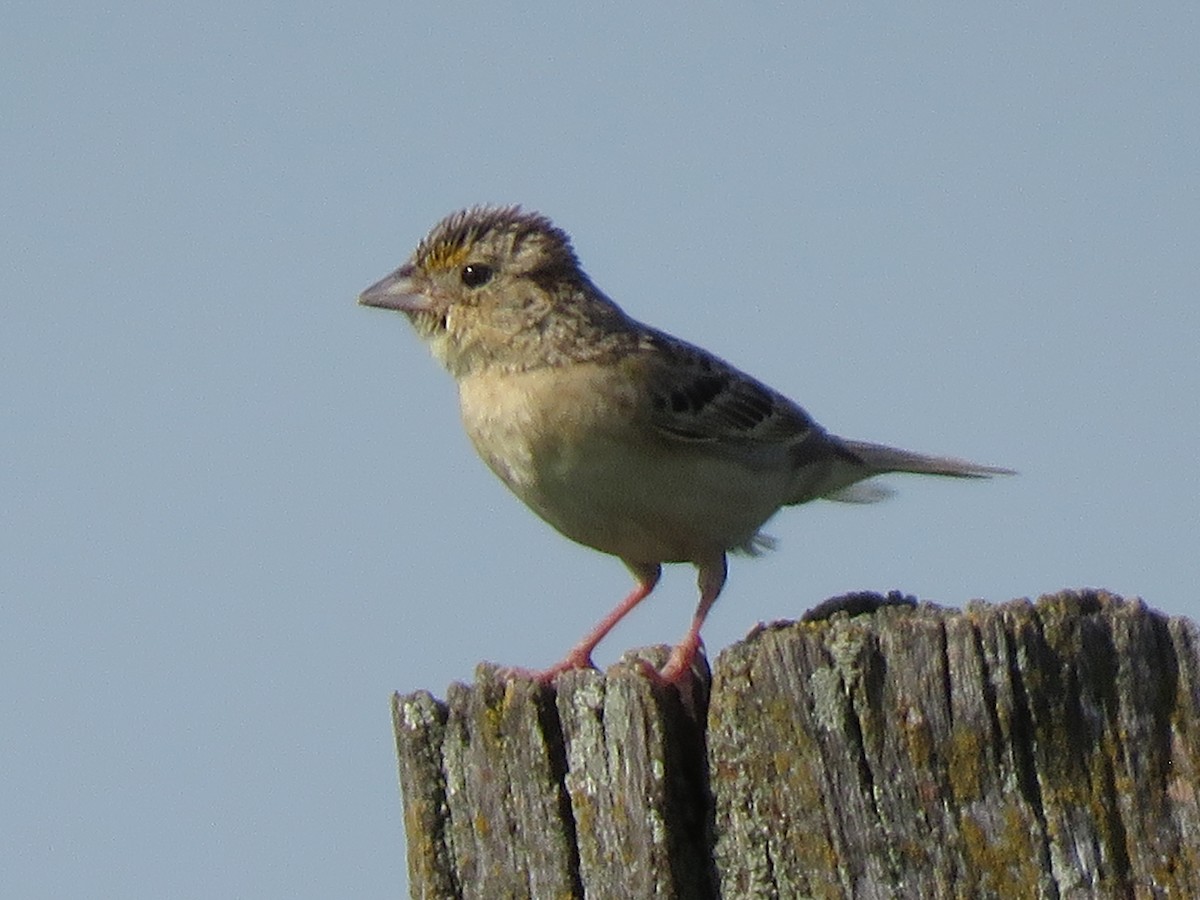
(877, 748)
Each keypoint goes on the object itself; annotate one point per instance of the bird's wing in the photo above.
(695, 396)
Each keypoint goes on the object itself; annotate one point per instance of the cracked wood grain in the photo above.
(877, 748)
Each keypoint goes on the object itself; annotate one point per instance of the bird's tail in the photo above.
(880, 460)
(844, 467)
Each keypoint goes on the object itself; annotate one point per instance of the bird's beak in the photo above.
(397, 291)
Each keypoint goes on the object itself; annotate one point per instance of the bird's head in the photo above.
(487, 286)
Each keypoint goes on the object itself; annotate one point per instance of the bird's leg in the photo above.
(580, 656)
(711, 579)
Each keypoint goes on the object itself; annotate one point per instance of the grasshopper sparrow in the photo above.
(622, 437)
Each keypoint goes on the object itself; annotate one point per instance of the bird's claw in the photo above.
(576, 659)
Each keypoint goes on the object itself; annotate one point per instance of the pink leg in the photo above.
(679, 665)
(580, 656)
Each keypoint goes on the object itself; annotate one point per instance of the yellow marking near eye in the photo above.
(446, 255)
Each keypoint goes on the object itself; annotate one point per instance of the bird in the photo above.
(620, 436)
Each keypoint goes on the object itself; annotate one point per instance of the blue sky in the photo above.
(239, 510)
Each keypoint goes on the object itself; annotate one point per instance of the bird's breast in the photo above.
(574, 444)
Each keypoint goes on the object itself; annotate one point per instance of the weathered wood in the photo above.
(598, 784)
(878, 748)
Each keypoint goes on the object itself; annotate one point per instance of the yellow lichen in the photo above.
(1004, 864)
(966, 752)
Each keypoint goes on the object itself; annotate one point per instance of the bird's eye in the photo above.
(476, 274)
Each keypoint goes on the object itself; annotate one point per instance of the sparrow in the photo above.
(622, 437)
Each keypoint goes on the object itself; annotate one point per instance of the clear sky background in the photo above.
(238, 510)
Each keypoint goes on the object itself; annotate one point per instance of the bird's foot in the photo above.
(579, 658)
(679, 673)
(679, 667)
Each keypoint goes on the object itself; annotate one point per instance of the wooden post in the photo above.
(878, 748)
